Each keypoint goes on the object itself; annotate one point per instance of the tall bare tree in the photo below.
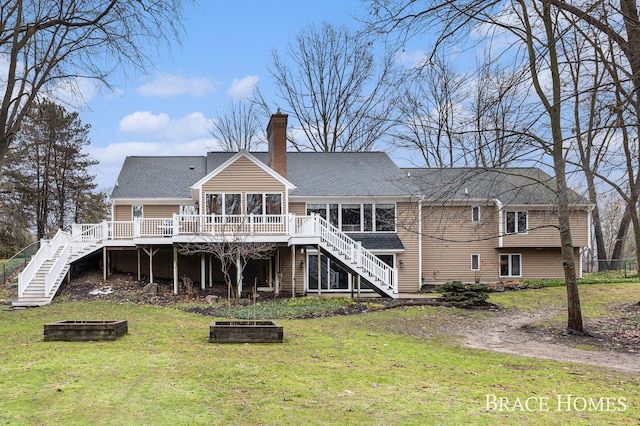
(51, 43)
(535, 30)
(340, 94)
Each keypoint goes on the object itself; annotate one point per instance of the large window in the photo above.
(332, 275)
(254, 204)
(273, 203)
(475, 214)
(510, 265)
(516, 222)
(352, 217)
(223, 204)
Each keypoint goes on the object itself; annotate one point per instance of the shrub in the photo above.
(464, 295)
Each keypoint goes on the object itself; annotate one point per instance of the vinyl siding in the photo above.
(407, 228)
(543, 231)
(123, 212)
(540, 264)
(149, 211)
(243, 176)
(449, 240)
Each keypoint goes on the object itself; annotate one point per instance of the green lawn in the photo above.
(336, 370)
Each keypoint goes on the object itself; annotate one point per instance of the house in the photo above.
(340, 223)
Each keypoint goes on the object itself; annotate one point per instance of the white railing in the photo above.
(354, 252)
(29, 272)
(56, 269)
(46, 252)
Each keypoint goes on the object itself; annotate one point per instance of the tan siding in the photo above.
(243, 176)
(159, 212)
(543, 231)
(299, 209)
(407, 228)
(541, 264)
(449, 240)
(123, 212)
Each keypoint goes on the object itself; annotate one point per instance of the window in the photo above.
(136, 212)
(273, 203)
(357, 217)
(188, 210)
(385, 217)
(516, 222)
(351, 217)
(254, 204)
(475, 214)
(387, 258)
(475, 262)
(223, 204)
(332, 275)
(510, 265)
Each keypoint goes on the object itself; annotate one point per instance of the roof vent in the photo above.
(408, 173)
(466, 191)
(192, 167)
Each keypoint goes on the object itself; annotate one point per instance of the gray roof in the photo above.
(158, 177)
(378, 241)
(315, 174)
(516, 186)
(345, 174)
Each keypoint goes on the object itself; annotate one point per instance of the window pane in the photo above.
(475, 213)
(386, 258)
(504, 265)
(368, 218)
(338, 277)
(274, 203)
(475, 262)
(312, 261)
(385, 217)
(511, 222)
(333, 214)
(232, 204)
(254, 204)
(319, 209)
(136, 211)
(351, 217)
(522, 221)
(214, 203)
(515, 265)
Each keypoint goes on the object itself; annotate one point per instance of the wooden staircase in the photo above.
(35, 293)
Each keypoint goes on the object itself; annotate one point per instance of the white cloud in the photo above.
(163, 127)
(144, 122)
(243, 88)
(173, 85)
(413, 59)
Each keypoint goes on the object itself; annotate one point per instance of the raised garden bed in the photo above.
(80, 331)
(245, 332)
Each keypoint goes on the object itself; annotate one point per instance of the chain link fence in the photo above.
(9, 267)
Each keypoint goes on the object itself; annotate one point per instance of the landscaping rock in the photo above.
(211, 299)
(151, 288)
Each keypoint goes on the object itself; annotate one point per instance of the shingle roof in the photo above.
(515, 186)
(378, 241)
(158, 177)
(315, 174)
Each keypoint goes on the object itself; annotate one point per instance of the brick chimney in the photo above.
(277, 138)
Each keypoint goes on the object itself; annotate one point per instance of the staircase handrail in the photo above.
(88, 234)
(45, 252)
(353, 250)
(58, 265)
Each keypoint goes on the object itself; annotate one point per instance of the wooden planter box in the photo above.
(245, 332)
(80, 331)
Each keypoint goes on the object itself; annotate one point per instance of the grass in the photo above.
(335, 370)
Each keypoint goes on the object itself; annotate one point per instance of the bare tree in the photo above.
(535, 29)
(48, 44)
(341, 96)
(233, 246)
(240, 127)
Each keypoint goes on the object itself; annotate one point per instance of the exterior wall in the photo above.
(150, 211)
(540, 264)
(450, 238)
(299, 209)
(407, 227)
(243, 176)
(543, 231)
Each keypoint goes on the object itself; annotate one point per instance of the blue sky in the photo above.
(226, 47)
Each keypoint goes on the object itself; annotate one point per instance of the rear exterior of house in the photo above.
(341, 223)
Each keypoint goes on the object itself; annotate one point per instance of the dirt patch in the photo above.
(615, 342)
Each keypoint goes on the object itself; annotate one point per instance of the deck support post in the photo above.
(175, 269)
(104, 264)
(293, 271)
(319, 271)
(139, 274)
(203, 270)
(150, 253)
